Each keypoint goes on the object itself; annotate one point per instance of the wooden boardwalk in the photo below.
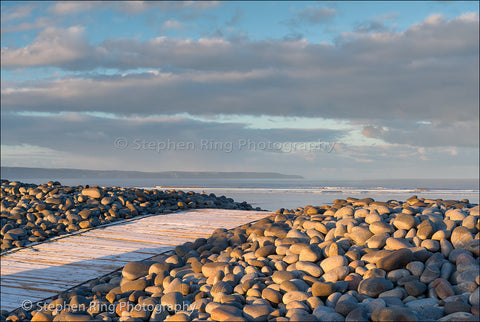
(46, 269)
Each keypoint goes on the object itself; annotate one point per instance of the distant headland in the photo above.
(17, 173)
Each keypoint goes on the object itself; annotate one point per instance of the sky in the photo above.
(336, 90)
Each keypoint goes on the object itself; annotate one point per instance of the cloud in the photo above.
(402, 160)
(74, 7)
(52, 47)
(371, 131)
(376, 24)
(77, 128)
(459, 133)
(136, 7)
(316, 14)
(312, 15)
(173, 24)
(39, 23)
(435, 37)
(23, 154)
(422, 73)
(86, 141)
(431, 38)
(227, 146)
(17, 13)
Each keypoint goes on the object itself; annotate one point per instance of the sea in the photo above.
(272, 194)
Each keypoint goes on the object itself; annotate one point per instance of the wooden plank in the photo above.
(22, 278)
(70, 272)
(55, 257)
(21, 266)
(207, 222)
(190, 222)
(130, 246)
(38, 285)
(134, 236)
(78, 252)
(74, 256)
(142, 234)
(90, 243)
(82, 268)
(47, 279)
(162, 231)
(36, 295)
(48, 259)
(166, 228)
(74, 249)
(152, 243)
(12, 298)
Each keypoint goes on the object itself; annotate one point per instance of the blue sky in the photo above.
(393, 84)
(258, 20)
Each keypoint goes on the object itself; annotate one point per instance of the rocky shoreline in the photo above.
(34, 213)
(358, 260)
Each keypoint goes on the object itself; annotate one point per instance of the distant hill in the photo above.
(16, 173)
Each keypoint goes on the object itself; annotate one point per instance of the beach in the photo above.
(353, 259)
(240, 161)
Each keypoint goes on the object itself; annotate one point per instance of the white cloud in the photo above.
(422, 41)
(39, 23)
(373, 131)
(173, 24)
(17, 13)
(53, 46)
(434, 19)
(469, 16)
(74, 7)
